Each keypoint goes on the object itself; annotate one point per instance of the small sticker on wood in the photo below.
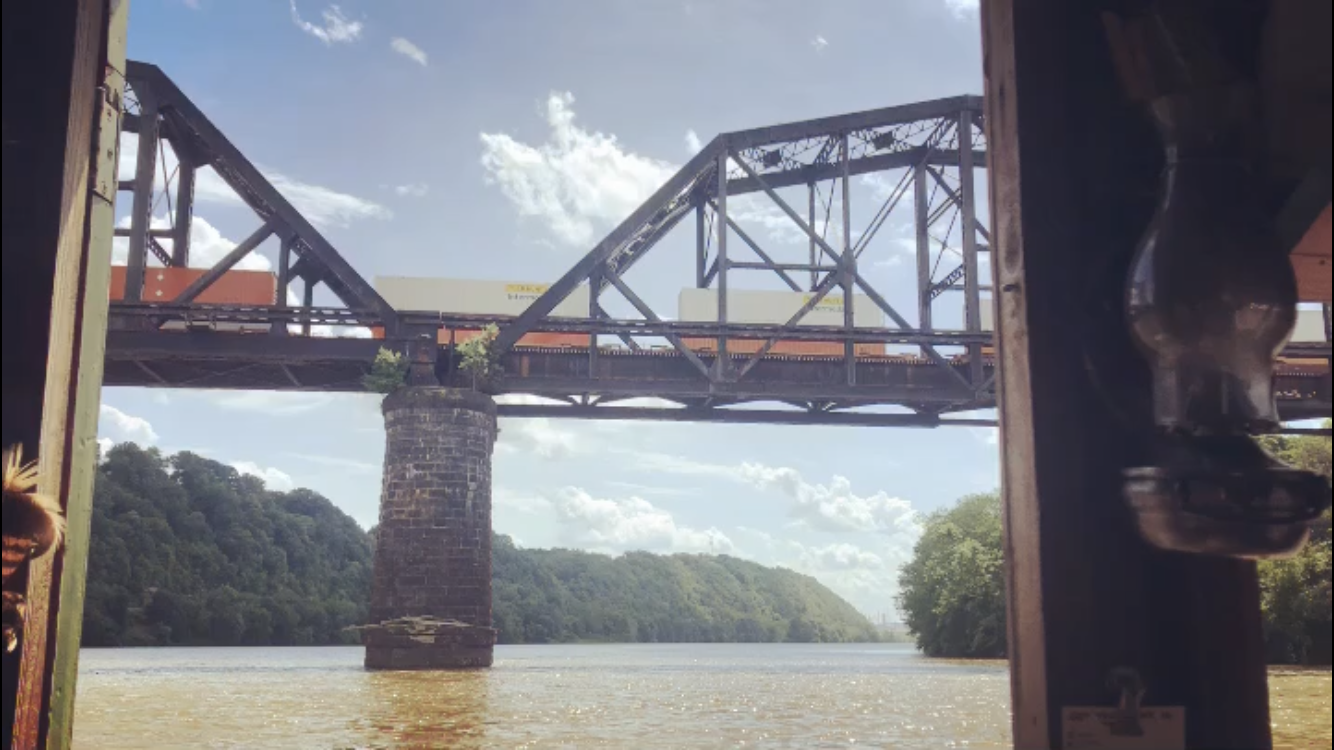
(1108, 728)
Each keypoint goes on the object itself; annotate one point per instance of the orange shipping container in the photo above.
(545, 340)
(795, 348)
(233, 288)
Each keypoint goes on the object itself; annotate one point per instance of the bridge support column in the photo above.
(431, 595)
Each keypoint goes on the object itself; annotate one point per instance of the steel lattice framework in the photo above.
(927, 154)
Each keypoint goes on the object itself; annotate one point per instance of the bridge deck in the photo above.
(219, 360)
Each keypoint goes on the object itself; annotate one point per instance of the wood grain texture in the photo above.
(1085, 594)
(67, 448)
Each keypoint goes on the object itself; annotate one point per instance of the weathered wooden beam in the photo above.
(1086, 595)
(74, 53)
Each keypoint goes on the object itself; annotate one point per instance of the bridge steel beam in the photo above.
(161, 115)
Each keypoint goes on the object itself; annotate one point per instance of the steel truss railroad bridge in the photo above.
(928, 153)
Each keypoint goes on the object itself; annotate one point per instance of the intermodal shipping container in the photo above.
(242, 288)
(776, 308)
(1310, 327)
(481, 297)
(259, 288)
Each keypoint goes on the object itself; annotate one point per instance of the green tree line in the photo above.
(551, 596)
(952, 592)
(189, 552)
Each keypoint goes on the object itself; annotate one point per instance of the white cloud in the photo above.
(578, 182)
(408, 50)
(693, 144)
(124, 427)
(581, 183)
(645, 489)
(412, 190)
(632, 524)
(521, 502)
(207, 246)
(863, 577)
(274, 479)
(323, 207)
(962, 9)
(846, 557)
(834, 507)
(757, 210)
(337, 28)
(819, 43)
(339, 463)
(881, 187)
(103, 446)
(271, 402)
(669, 464)
(539, 436)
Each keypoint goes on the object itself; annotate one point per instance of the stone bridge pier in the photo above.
(431, 595)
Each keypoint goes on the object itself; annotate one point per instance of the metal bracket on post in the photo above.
(1128, 725)
(1127, 682)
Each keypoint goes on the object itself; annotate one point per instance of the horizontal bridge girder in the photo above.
(224, 360)
(865, 165)
(243, 348)
(733, 416)
(669, 375)
(875, 118)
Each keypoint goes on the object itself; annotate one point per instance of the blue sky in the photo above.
(501, 140)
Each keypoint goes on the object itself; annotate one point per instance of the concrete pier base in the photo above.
(426, 643)
(431, 593)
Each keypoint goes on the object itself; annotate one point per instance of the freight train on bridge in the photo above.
(457, 299)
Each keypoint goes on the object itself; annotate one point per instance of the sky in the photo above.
(502, 141)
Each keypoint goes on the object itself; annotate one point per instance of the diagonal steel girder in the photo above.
(695, 182)
(199, 143)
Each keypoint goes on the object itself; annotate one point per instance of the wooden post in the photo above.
(57, 271)
(1073, 174)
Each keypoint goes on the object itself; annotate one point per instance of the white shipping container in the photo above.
(1310, 327)
(777, 308)
(1310, 324)
(474, 296)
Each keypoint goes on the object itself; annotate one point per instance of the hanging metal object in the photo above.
(1211, 301)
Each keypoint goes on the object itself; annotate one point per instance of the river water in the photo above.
(669, 696)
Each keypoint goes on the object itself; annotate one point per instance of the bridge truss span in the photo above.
(923, 158)
(868, 226)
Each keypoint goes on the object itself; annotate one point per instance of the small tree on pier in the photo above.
(479, 360)
(388, 372)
